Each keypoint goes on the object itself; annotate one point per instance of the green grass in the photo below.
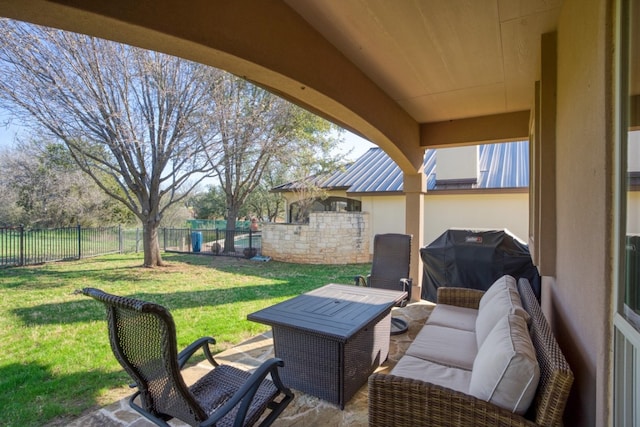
(55, 360)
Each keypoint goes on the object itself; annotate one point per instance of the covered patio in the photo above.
(427, 74)
(305, 410)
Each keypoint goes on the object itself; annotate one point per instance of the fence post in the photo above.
(79, 242)
(120, 239)
(164, 239)
(21, 262)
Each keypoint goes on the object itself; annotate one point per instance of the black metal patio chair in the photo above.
(390, 270)
(143, 339)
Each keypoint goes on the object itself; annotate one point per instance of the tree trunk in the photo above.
(152, 257)
(230, 234)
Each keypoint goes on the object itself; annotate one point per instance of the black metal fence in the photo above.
(24, 246)
(242, 242)
(20, 246)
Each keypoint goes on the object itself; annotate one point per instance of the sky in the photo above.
(7, 133)
(351, 141)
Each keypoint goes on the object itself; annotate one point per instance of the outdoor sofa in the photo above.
(482, 359)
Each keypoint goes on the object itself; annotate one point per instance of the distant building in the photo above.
(477, 187)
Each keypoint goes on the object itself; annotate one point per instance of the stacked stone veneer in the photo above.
(329, 238)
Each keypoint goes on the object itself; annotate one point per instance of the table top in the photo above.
(337, 311)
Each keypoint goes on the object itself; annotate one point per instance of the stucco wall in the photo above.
(476, 211)
(387, 214)
(329, 238)
(581, 291)
(445, 211)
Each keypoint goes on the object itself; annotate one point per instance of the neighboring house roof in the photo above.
(501, 166)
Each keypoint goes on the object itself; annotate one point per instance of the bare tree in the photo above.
(135, 115)
(265, 204)
(10, 211)
(314, 166)
(42, 186)
(256, 129)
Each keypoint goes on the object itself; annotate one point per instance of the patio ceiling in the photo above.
(441, 60)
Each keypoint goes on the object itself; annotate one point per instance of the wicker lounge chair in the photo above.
(390, 270)
(143, 338)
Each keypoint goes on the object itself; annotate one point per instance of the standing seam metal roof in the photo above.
(501, 165)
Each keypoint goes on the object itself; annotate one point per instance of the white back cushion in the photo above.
(448, 346)
(453, 316)
(505, 371)
(505, 301)
(500, 285)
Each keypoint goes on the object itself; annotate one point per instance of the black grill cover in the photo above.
(475, 259)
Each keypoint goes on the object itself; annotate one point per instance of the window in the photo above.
(630, 169)
(632, 234)
(626, 320)
(298, 213)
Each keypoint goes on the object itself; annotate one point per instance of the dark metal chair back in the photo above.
(143, 338)
(391, 261)
(390, 270)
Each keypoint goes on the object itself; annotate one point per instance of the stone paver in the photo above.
(304, 411)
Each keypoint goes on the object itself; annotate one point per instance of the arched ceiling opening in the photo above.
(405, 75)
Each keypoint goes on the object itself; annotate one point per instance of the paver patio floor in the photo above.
(305, 410)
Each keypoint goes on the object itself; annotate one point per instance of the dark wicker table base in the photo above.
(331, 339)
(329, 369)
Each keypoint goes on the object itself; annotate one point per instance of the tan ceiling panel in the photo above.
(463, 103)
(413, 48)
(513, 9)
(521, 47)
(441, 59)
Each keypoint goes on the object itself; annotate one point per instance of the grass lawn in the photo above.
(55, 360)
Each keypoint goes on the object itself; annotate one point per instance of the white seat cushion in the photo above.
(506, 301)
(453, 316)
(433, 373)
(447, 346)
(505, 371)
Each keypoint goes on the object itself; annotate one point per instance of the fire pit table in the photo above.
(332, 338)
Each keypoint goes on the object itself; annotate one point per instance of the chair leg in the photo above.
(398, 326)
(277, 409)
(148, 415)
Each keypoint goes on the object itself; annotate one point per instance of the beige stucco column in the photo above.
(415, 186)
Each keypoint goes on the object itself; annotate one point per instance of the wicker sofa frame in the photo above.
(399, 401)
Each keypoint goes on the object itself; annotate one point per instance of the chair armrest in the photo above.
(406, 284)
(361, 280)
(405, 402)
(461, 297)
(188, 351)
(248, 390)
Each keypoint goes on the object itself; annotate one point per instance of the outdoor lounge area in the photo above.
(433, 374)
(305, 410)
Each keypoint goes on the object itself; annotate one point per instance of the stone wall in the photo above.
(329, 238)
